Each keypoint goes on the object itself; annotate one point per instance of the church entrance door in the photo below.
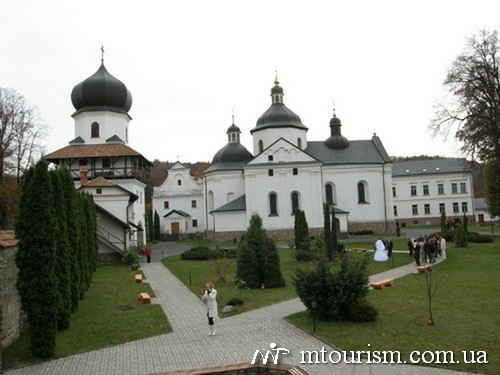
(174, 228)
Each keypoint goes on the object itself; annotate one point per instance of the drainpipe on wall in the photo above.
(385, 198)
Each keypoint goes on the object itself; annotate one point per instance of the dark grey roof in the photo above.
(231, 157)
(338, 210)
(101, 91)
(239, 204)
(432, 166)
(179, 212)
(77, 140)
(115, 139)
(359, 152)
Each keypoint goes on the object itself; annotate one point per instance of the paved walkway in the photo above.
(236, 341)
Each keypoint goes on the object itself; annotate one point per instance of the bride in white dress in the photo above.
(380, 254)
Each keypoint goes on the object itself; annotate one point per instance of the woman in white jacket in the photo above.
(210, 297)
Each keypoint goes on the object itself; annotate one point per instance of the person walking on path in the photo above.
(210, 297)
(147, 251)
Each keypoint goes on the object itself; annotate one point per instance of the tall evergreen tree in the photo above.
(442, 222)
(70, 198)
(36, 259)
(301, 231)
(246, 265)
(335, 237)
(63, 261)
(272, 272)
(90, 217)
(156, 224)
(328, 233)
(83, 246)
(258, 259)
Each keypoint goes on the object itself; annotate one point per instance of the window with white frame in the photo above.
(454, 189)
(414, 209)
(413, 190)
(427, 209)
(425, 189)
(463, 188)
(455, 208)
(464, 206)
(441, 189)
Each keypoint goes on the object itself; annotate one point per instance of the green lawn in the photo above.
(109, 314)
(466, 311)
(202, 271)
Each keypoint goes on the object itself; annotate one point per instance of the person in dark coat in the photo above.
(147, 251)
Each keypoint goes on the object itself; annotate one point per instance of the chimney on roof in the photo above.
(84, 170)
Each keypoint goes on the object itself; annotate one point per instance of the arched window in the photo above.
(295, 202)
(299, 143)
(261, 146)
(210, 201)
(329, 193)
(94, 130)
(273, 204)
(361, 193)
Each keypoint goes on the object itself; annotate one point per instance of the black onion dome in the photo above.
(232, 153)
(233, 129)
(336, 141)
(101, 91)
(278, 115)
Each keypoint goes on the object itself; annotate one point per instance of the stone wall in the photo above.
(11, 316)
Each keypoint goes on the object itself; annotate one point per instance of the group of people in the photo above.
(427, 249)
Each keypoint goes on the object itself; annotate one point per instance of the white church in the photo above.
(285, 171)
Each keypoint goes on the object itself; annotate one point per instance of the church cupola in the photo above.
(336, 139)
(101, 106)
(233, 133)
(101, 91)
(278, 121)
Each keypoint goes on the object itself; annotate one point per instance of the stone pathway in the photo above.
(237, 339)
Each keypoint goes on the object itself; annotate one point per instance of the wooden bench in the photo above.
(138, 278)
(357, 250)
(144, 298)
(424, 269)
(382, 284)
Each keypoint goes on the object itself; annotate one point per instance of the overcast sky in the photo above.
(190, 64)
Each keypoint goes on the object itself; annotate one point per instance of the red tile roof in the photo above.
(92, 151)
(8, 238)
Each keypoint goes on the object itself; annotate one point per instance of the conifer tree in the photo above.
(70, 198)
(83, 246)
(442, 222)
(90, 216)
(36, 259)
(301, 231)
(246, 265)
(156, 224)
(334, 234)
(272, 273)
(328, 234)
(460, 237)
(63, 256)
(258, 260)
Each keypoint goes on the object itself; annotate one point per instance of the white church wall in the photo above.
(225, 186)
(270, 135)
(110, 124)
(377, 191)
(307, 183)
(230, 221)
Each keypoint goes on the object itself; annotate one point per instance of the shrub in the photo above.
(221, 267)
(363, 232)
(460, 237)
(302, 255)
(336, 296)
(479, 238)
(235, 302)
(362, 311)
(205, 253)
(130, 257)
